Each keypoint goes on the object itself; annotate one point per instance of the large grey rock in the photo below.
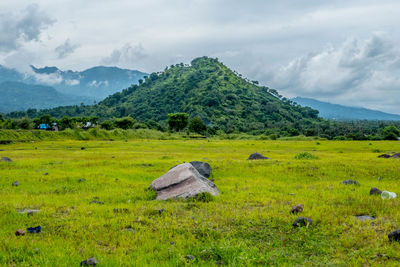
(183, 181)
(202, 167)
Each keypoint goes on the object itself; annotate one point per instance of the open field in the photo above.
(249, 224)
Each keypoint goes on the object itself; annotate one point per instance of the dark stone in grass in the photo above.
(172, 243)
(96, 202)
(83, 148)
(394, 236)
(19, 232)
(89, 262)
(34, 230)
(202, 167)
(365, 218)
(190, 257)
(81, 180)
(256, 156)
(46, 173)
(302, 221)
(297, 208)
(160, 211)
(396, 156)
(16, 183)
(5, 159)
(349, 182)
(120, 210)
(384, 156)
(375, 191)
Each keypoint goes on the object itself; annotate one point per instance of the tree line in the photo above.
(182, 122)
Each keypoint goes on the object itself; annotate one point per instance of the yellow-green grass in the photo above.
(249, 224)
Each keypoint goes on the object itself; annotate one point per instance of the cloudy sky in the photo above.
(339, 51)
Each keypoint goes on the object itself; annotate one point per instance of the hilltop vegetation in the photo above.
(206, 89)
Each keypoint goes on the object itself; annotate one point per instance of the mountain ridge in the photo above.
(341, 112)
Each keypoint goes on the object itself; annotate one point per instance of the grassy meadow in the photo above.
(249, 224)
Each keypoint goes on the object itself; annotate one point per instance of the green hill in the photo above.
(205, 89)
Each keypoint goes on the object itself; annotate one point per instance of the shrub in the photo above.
(305, 156)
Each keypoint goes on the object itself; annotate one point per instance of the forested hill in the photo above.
(205, 89)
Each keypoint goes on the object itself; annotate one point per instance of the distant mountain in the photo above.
(206, 89)
(92, 84)
(339, 112)
(17, 96)
(97, 82)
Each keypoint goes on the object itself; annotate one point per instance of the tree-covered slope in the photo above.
(205, 89)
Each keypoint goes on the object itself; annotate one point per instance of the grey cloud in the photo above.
(65, 49)
(22, 27)
(128, 55)
(358, 72)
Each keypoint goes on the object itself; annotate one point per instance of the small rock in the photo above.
(46, 173)
(96, 202)
(20, 232)
(31, 212)
(297, 208)
(302, 221)
(16, 183)
(396, 156)
(172, 243)
(34, 230)
(120, 210)
(256, 156)
(89, 262)
(375, 191)
(365, 218)
(81, 180)
(160, 211)
(348, 182)
(190, 257)
(218, 263)
(5, 159)
(83, 148)
(292, 194)
(384, 156)
(394, 236)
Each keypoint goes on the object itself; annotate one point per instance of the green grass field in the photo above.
(249, 224)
